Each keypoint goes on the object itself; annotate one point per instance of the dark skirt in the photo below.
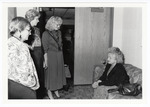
(19, 91)
(37, 56)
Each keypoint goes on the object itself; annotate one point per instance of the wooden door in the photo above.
(93, 36)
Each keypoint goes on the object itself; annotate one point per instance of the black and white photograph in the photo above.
(74, 51)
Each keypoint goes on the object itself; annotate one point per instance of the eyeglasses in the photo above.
(58, 25)
(29, 30)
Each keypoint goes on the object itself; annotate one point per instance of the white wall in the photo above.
(22, 10)
(117, 27)
(127, 34)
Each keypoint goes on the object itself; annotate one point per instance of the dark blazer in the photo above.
(117, 76)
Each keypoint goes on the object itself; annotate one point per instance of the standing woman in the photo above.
(22, 75)
(53, 56)
(34, 44)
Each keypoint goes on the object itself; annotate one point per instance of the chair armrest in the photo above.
(98, 71)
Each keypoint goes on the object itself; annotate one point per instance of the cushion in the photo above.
(134, 73)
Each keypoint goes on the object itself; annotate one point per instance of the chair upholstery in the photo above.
(135, 75)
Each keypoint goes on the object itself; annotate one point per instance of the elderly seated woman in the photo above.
(114, 74)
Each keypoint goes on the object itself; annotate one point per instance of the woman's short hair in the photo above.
(31, 14)
(52, 21)
(18, 23)
(117, 52)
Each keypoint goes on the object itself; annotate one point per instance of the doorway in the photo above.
(67, 30)
(68, 47)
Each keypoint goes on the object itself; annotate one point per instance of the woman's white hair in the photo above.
(117, 52)
(18, 23)
(31, 14)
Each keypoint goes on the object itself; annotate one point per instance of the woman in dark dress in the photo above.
(115, 73)
(53, 56)
(34, 44)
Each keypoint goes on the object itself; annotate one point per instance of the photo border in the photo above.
(5, 5)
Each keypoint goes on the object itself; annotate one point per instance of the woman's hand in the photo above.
(95, 84)
(30, 47)
(45, 65)
(33, 45)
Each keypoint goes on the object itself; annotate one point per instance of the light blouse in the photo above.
(37, 39)
(21, 67)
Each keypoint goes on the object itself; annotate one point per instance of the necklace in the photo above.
(16, 38)
(112, 66)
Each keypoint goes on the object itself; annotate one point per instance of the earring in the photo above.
(20, 37)
(20, 34)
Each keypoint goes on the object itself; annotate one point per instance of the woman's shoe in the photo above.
(57, 94)
(50, 95)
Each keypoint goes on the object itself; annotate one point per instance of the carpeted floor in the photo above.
(75, 92)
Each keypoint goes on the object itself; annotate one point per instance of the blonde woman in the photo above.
(53, 56)
(22, 75)
(115, 73)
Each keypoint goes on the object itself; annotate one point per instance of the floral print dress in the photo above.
(21, 68)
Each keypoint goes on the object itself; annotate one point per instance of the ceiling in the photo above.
(66, 13)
